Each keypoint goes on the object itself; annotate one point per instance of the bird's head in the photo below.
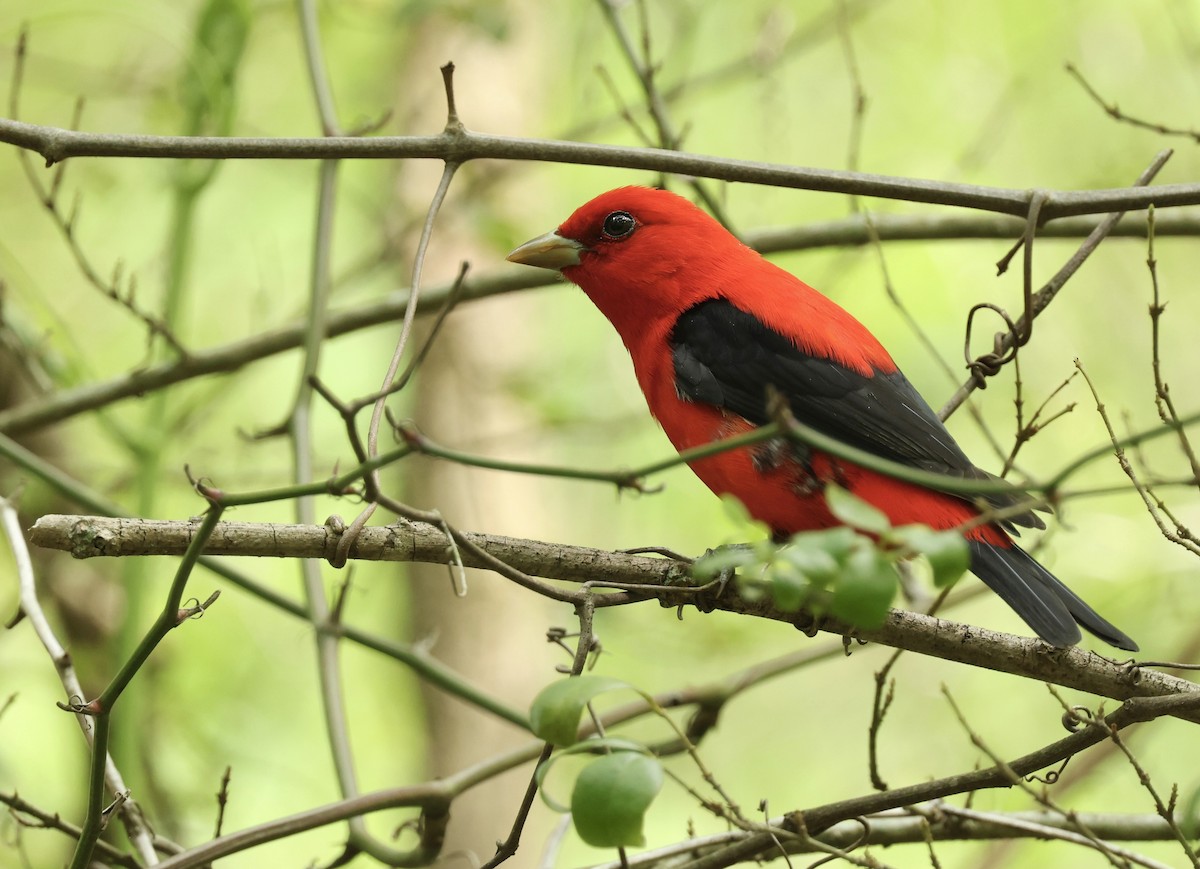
(642, 255)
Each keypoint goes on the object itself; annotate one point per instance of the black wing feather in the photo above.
(726, 357)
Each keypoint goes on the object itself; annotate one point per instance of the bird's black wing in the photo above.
(726, 357)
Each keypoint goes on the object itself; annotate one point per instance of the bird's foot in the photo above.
(718, 567)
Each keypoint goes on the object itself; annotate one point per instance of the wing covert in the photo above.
(727, 357)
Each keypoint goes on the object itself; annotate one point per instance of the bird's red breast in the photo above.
(713, 329)
(680, 258)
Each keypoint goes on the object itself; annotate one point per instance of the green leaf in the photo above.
(708, 566)
(838, 542)
(586, 746)
(947, 552)
(865, 589)
(854, 511)
(809, 561)
(611, 796)
(818, 554)
(555, 712)
(790, 587)
(741, 517)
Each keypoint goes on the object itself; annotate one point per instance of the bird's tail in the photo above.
(1049, 607)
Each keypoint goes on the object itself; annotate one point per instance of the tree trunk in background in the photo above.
(494, 635)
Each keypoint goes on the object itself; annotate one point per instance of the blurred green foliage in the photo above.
(956, 91)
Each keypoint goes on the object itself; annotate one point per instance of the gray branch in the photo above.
(660, 579)
(55, 144)
(909, 828)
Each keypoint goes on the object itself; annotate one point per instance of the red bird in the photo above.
(711, 325)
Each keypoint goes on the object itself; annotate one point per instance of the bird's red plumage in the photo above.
(682, 257)
(710, 325)
(679, 257)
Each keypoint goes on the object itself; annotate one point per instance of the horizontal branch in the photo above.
(55, 144)
(656, 578)
(854, 231)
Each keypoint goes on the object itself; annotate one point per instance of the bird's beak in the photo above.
(549, 251)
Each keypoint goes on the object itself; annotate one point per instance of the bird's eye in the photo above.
(619, 224)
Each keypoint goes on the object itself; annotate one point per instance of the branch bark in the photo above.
(653, 578)
(909, 828)
(458, 146)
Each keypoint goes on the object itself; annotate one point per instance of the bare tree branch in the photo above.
(813, 821)
(656, 578)
(130, 812)
(435, 798)
(55, 144)
(1005, 345)
(941, 822)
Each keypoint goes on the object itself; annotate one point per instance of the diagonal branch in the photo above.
(130, 812)
(822, 817)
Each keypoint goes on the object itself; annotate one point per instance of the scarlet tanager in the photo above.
(710, 325)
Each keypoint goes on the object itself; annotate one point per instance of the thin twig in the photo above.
(885, 692)
(132, 817)
(1154, 506)
(669, 138)
(222, 801)
(821, 818)
(1162, 397)
(1116, 114)
(26, 814)
(1027, 430)
(1164, 811)
(118, 288)
(585, 610)
(858, 94)
(453, 128)
(100, 708)
(1046, 831)
(1040, 795)
(1036, 303)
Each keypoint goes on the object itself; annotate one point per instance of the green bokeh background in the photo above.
(967, 92)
